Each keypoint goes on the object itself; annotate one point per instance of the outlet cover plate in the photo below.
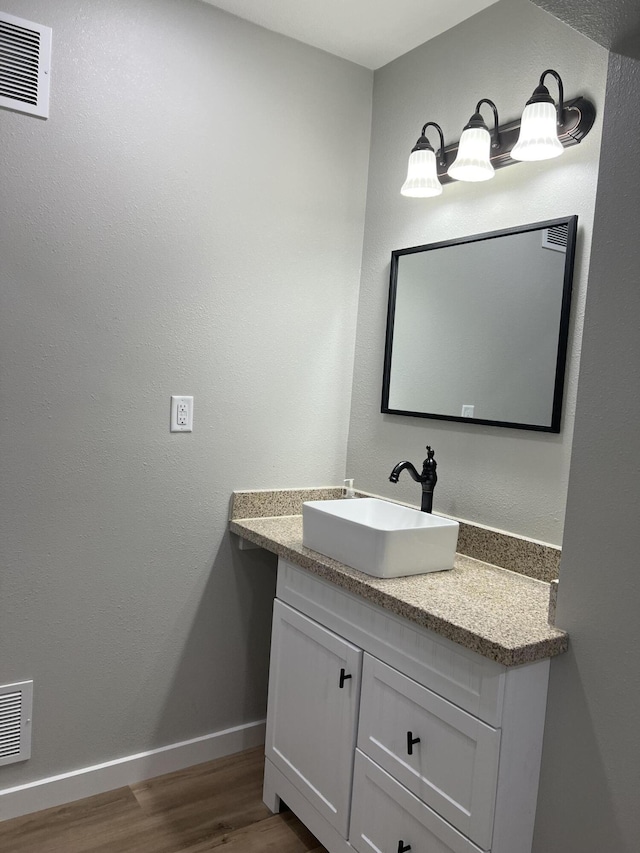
(181, 414)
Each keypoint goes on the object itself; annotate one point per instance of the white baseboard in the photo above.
(58, 790)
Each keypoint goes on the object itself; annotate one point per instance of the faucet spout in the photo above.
(404, 466)
(427, 479)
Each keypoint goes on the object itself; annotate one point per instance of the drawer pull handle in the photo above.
(410, 742)
(343, 677)
(402, 847)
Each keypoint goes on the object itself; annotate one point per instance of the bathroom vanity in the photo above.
(404, 714)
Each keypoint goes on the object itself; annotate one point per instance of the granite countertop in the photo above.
(498, 613)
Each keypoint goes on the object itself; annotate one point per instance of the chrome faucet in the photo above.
(427, 479)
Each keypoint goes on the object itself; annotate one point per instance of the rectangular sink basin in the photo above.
(378, 537)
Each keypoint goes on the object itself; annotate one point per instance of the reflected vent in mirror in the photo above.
(15, 722)
(25, 61)
(556, 238)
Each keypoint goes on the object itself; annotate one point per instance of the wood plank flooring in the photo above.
(190, 811)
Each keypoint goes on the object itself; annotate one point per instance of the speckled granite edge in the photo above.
(553, 602)
(525, 636)
(524, 556)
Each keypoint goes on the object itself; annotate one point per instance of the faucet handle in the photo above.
(429, 467)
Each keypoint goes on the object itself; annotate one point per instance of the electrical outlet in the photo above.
(181, 414)
(467, 411)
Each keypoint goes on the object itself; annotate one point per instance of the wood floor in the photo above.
(202, 808)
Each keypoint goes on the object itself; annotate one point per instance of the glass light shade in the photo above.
(538, 138)
(472, 162)
(422, 175)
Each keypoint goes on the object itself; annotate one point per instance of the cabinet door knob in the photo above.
(343, 677)
(410, 742)
(402, 847)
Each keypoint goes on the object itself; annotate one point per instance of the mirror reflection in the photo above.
(477, 328)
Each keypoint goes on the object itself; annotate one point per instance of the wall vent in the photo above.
(556, 237)
(25, 63)
(16, 701)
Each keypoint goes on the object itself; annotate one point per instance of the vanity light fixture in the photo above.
(422, 173)
(539, 125)
(473, 162)
(543, 132)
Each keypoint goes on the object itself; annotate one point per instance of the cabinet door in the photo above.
(314, 690)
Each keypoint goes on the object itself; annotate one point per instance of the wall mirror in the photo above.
(477, 327)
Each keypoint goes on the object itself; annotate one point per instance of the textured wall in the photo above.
(188, 221)
(504, 478)
(590, 782)
(614, 24)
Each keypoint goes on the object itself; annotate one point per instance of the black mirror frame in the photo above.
(563, 336)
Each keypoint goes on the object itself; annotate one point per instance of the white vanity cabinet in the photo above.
(383, 736)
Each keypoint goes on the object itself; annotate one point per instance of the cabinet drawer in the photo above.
(386, 817)
(452, 762)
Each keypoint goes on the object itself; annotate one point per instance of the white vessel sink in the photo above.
(380, 538)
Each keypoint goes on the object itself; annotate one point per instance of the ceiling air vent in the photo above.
(556, 237)
(15, 722)
(25, 61)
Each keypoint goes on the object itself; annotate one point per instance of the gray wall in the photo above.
(590, 784)
(188, 221)
(503, 478)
